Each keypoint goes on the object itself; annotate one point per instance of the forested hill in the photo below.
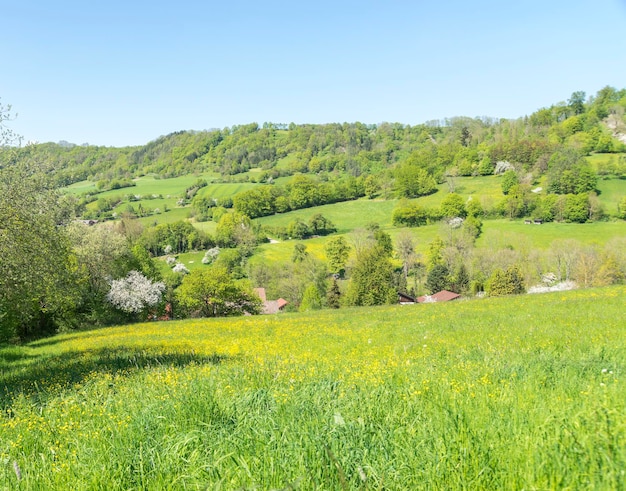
(462, 145)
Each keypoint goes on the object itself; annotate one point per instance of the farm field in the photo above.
(523, 392)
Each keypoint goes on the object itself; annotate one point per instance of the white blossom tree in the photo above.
(135, 293)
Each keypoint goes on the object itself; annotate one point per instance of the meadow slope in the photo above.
(524, 392)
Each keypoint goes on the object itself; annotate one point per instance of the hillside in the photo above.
(405, 397)
(330, 215)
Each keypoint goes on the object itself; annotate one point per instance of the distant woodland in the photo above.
(460, 146)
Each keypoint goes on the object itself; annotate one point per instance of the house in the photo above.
(270, 306)
(442, 296)
(404, 299)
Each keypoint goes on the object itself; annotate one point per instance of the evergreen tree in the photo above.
(438, 278)
(333, 296)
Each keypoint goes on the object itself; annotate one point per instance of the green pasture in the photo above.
(523, 392)
(503, 233)
(146, 185)
(482, 188)
(225, 190)
(611, 193)
(346, 216)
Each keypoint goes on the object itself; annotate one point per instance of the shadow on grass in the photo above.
(44, 376)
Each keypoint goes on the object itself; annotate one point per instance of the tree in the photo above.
(233, 229)
(453, 206)
(438, 278)
(311, 300)
(409, 213)
(320, 225)
(509, 282)
(577, 102)
(134, 293)
(371, 281)
(211, 292)
(299, 253)
(576, 208)
(570, 173)
(413, 181)
(337, 252)
(405, 249)
(297, 229)
(383, 241)
(333, 295)
(509, 179)
(38, 275)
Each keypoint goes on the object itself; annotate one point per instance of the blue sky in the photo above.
(125, 72)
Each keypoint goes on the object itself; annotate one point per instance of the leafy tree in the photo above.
(473, 226)
(577, 102)
(383, 241)
(409, 213)
(235, 229)
(311, 299)
(570, 173)
(412, 181)
(509, 179)
(435, 252)
(320, 225)
(453, 206)
(38, 275)
(337, 251)
(508, 282)
(297, 229)
(474, 208)
(371, 186)
(576, 208)
(371, 280)
(299, 253)
(212, 292)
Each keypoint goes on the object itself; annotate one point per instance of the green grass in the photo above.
(611, 193)
(513, 393)
(506, 232)
(174, 186)
(225, 190)
(346, 216)
(481, 188)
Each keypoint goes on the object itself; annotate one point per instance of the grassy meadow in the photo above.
(524, 392)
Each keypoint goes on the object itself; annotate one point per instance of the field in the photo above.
(513, 393)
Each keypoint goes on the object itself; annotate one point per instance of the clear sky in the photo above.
(112, 72)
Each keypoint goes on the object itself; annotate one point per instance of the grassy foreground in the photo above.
(513, 393)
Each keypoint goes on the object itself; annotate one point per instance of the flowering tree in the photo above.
(180, 268)
(135, 293)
